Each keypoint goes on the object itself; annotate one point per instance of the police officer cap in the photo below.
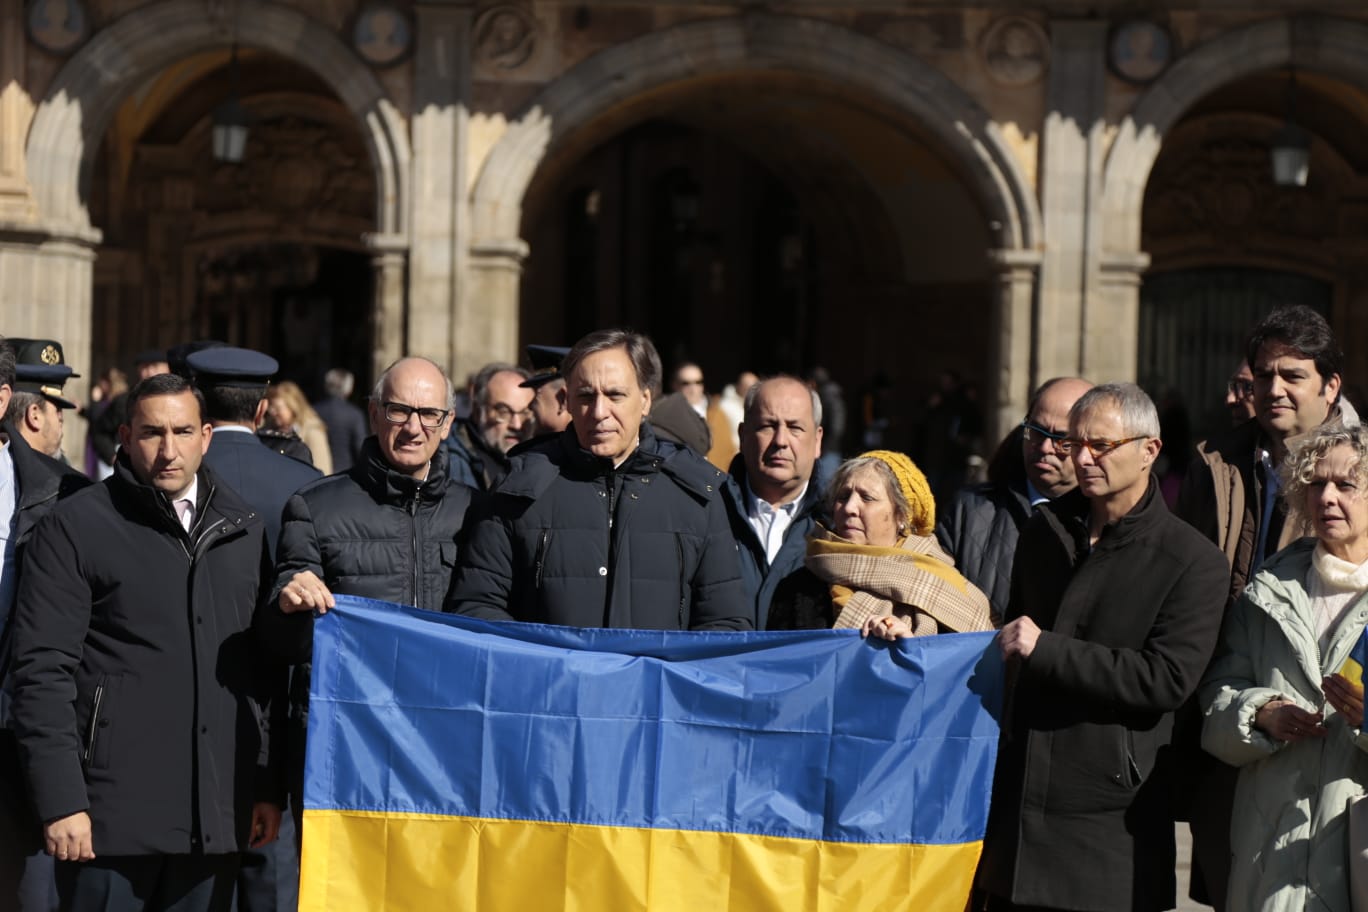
(40, 368)
(546, 362)
(226, 366)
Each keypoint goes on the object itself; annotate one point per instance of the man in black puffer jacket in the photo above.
(386, 529)
(139, 698)
(604, 525)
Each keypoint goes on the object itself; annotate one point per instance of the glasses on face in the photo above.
(1097, 446)
(698, 382)
(1037, 435)
(398, 413)
(1243, 389)
(504, 414)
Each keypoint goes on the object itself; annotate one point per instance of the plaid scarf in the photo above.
(914, 579)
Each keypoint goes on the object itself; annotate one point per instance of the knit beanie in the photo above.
(914, 488)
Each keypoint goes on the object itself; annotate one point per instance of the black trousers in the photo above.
(148, 883)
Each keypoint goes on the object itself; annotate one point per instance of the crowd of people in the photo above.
(1162, 664)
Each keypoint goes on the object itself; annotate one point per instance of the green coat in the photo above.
(1289, 833)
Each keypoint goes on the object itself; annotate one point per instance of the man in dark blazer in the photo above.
(1114, 612)
(234, 382)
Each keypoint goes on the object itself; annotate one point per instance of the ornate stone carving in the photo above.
(1016, 51)
(382, 35)
(505, 38)
(1139, 51)
(57, 26)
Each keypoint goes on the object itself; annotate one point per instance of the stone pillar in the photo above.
(1111, 351)
(439, 212)
(1070, 193)
(16, 113)
(488, 320)
(45, 282)
(1010, 378)
(387, 315)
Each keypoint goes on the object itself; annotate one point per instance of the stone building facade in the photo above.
(892, 190)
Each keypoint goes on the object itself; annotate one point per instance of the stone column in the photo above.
(16, 112)
(1070, 193)
(1110, 352)
(439, 214)
(387, 315)
(488, 321)
(1010, 377)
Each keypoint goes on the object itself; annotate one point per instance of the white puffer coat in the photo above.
(1289, 833)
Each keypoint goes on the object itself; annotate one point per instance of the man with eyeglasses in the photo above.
(981, 527)
(1114, 612)
(500, 419)
(387, 528)
(1239, 400)
(1231, 494)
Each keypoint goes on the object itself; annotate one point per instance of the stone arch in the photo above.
(754, 43)
(71, 119)
(1323, 44)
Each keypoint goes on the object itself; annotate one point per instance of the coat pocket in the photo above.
(97, 734)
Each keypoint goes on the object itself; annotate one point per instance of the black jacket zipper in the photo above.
(93, 727)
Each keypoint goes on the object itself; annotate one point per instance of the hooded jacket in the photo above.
(569, 539)
(138, 693)
(1289, 834)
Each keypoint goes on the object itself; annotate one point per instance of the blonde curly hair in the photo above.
(1299, 467)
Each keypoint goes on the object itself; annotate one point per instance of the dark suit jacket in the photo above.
(259, 475)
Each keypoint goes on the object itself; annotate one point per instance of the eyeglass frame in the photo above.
(1242, 388)
(1030, 428)
(503, 413)
(1066, 446)
(411, 410)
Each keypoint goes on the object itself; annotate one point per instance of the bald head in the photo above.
(1050, 472)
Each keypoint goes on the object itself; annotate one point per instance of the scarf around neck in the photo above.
(914, 579)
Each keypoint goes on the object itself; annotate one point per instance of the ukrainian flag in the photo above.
(455, 764)
(1357, 661)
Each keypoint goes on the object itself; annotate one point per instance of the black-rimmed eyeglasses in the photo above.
(398, 413)
(1037, 435)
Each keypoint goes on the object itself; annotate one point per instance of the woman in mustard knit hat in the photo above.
(877, 566)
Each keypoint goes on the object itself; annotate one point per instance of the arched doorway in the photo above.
(767, 224)
(266, 252)
(123, 58)
(708, 79)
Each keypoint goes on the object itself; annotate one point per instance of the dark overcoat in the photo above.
(1082, 816)
(260, 475)
(568, 539)
(137, 694)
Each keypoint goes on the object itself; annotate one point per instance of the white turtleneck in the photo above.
(1333, 586)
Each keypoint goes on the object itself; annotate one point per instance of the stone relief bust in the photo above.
(1016, 51)
(505, 38)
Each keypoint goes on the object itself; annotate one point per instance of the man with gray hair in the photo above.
(386, 529)
(1114, 612)
(346, 423)
(773, 493)
(604, 525)
(500, 419)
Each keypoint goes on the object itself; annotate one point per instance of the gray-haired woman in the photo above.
(1275, 705)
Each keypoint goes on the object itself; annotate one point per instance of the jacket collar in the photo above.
(1069, 513)
(736, 487)
(387, 485)
(39, 476)
(534, 468)
(155, 507)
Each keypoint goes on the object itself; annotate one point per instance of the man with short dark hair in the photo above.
(981, 527)
(500, 419)
(772, 493)
(1114, 613)
(234, 382)
(139, 698)
(604, 525)
(1231, 495)
(30, 485)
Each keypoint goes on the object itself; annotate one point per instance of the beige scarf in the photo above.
(914, 579)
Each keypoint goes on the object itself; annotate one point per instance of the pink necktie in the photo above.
(183, 511)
